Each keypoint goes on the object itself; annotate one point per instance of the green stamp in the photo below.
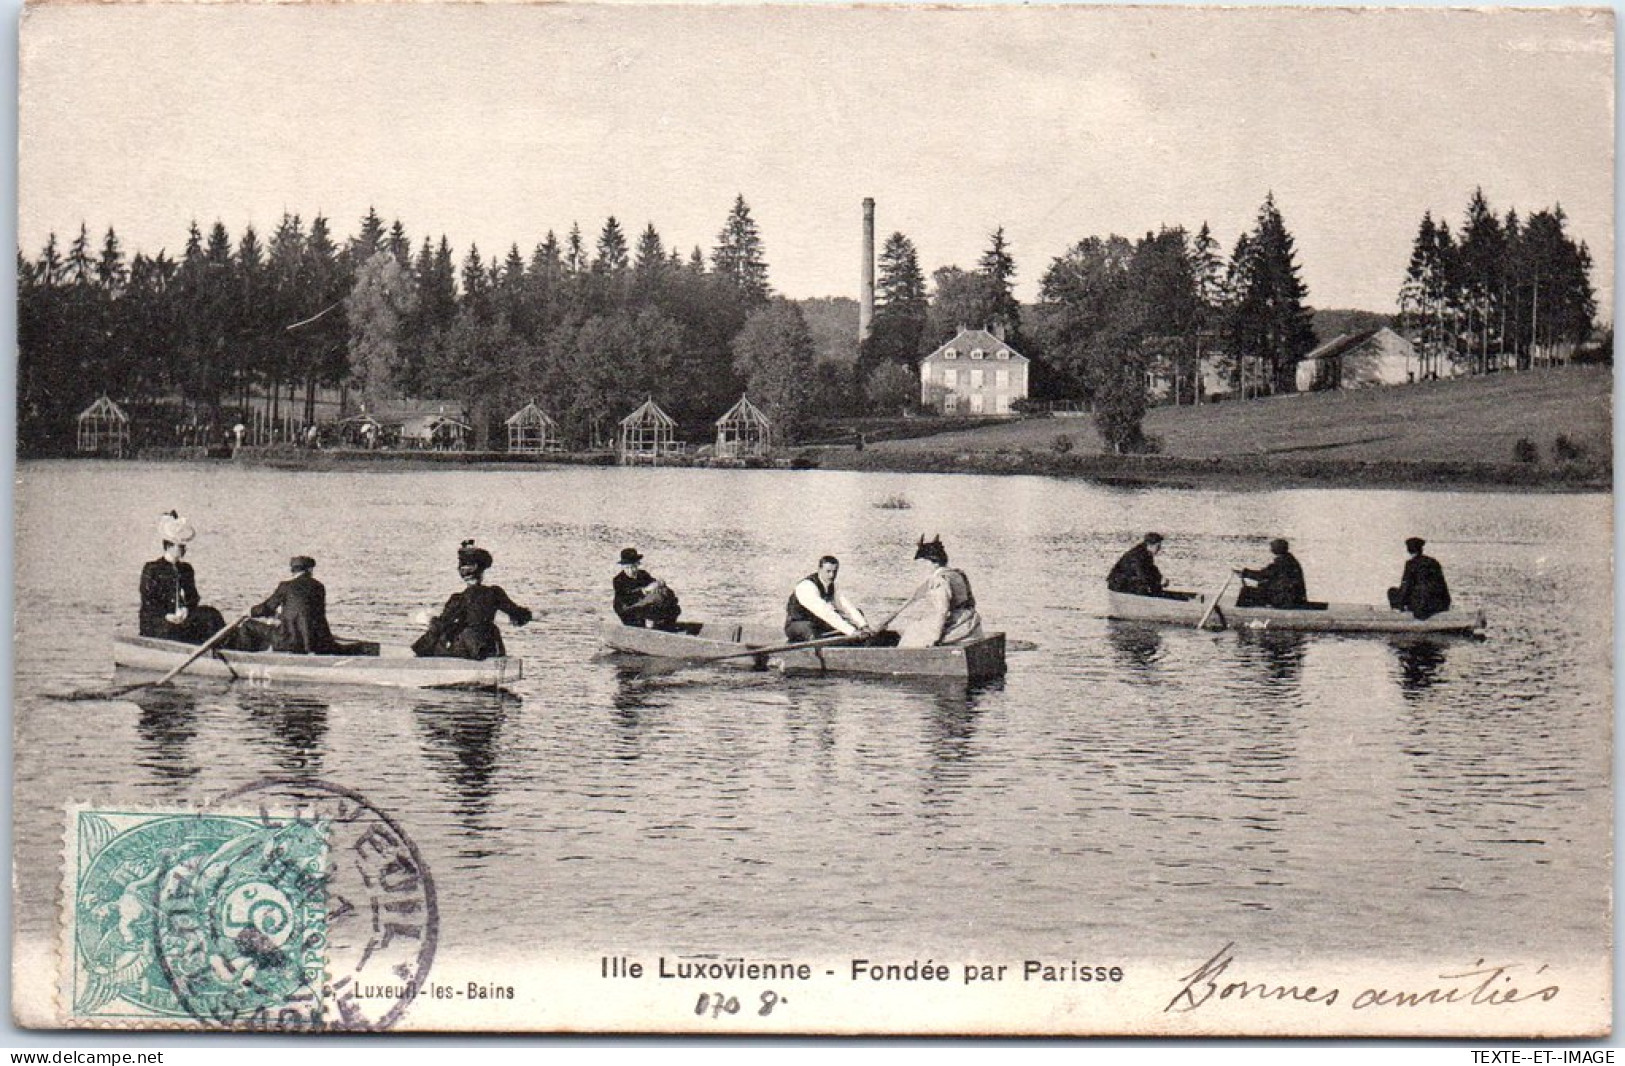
(196, 919)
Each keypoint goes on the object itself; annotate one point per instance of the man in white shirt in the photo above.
(818, 609)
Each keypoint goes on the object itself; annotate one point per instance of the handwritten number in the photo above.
(769, 998)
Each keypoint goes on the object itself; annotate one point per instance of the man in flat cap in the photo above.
(1422, 589)
(299, 606)
(1136, 572)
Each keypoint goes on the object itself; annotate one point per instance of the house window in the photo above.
(949, 353)
(1001, 377)
(976, 403)
(976, 377)
(1004, 353)
(977, 353)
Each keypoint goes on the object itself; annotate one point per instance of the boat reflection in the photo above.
(1279, 652)
(292, 722)
(1421, 661)
(1137, 645)
(461, 734)
(167, 727)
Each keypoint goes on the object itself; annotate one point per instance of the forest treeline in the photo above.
(589, 329)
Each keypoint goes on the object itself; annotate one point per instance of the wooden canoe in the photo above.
(386, 666)
(972, 661)
(1321, 618)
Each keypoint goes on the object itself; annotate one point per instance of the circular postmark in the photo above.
(321, 917)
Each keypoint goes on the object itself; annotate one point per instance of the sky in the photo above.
(493, 124)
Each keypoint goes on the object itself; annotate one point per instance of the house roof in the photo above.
(968, 340)
(744, 411)
(649, 411)
(1342, 344)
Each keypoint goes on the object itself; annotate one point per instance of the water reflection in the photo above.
(1279, 652)
(293, 724)
(167, 727)
(461, 740)
(1137, 645)
(1420, 663)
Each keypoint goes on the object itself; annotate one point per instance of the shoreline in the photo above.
(1235, 473)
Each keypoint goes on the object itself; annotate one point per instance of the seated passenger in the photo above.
(1422, 589)
(817, 609)
(1136, 572)
(298, 609)
(949, 614)
(466, 627)
(1280, 584)
(642, 600)
(170, 604)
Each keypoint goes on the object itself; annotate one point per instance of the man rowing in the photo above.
(466, 628)
(1136, 573)
(641, 599)
(817, 609)
(949, 614)
(171, 607)
(1422, 588)
(1280, 584)
(298, 609)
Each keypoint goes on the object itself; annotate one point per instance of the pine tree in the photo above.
(1268, 323)
(81, 264)
(901, 306)
(613, 257)
(739, 256)
(999, 268)
(111, 273)
(575, 253)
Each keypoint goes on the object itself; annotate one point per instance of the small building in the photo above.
(976, 373)
(437, 431)
(532, 431)
(647, 435)
(743, 431)
(104, 428)
(1359, 360)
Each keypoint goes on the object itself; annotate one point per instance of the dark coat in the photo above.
(1280, 584)
(467, 629)
(301, 603)
(638, 603)
(1136, 573)
(165, 588)
(1422, 589)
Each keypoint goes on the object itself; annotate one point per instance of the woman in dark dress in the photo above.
(466, 627)
(171, 608)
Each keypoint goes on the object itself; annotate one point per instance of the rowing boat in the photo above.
(379, 665)
(695, 641)
(1318, 617)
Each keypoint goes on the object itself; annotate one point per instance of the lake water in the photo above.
(1135, 789)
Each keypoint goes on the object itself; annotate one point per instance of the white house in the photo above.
(976, 373)
(1359, 360)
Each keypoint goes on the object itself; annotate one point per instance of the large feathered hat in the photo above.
(174, 529)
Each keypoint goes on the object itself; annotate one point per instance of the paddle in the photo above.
(115, 693)
(1213, 606)
(824, 642)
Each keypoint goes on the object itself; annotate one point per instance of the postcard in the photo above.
(770, 519)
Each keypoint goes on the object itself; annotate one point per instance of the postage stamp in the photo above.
(295, 916)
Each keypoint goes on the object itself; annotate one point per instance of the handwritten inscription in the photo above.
(1219, 979)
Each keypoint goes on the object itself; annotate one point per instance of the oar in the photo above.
(115, 693)
(1213, 606)
(824, 642)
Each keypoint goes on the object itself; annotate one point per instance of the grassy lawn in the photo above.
(1472, 419)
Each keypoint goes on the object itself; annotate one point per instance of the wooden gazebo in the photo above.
(104, 428)
(648, 435)
(743, 431)
(532, 430)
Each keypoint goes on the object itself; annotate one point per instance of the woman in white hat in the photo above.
(170, 606)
